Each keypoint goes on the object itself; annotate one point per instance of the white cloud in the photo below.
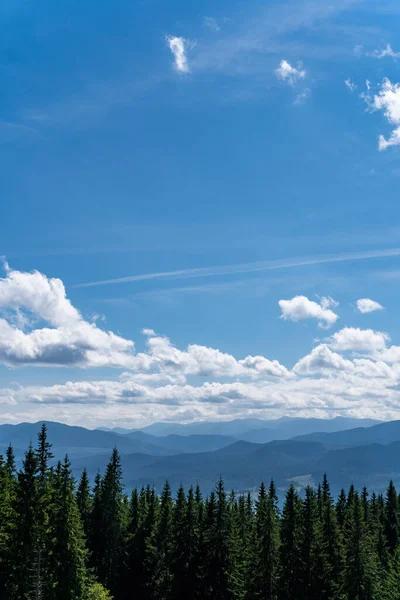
(290, 74)
(320, 360)
(300, 308)
(354, 372)
(358, 340)
(387, 100)
(61, 336)
(211, 23)
(366, 305)
(388, 51)
(163, 357)
(350, 85)
(178, 47)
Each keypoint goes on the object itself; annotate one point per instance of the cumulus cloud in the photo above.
(320, 360)
(300, 308)
(387, 100)
(289, 74)
(358, 340)
(49, 330)
(178, 47)
(163, 357)
(354, 372)
(366, 305)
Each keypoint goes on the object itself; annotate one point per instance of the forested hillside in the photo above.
(62, 541)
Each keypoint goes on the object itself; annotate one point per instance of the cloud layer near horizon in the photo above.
(353, 371)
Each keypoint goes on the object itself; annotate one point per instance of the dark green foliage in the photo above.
(290, 585)
(62, 543)
(391, 518)
(265, 552)
(84, 502)
(361, 580)
(68, 553)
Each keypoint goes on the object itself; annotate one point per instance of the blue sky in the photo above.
(184, 168)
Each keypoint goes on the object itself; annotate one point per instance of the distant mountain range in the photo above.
(252, 430)
(241, 451)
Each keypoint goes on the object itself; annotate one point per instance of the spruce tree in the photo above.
(84, 502)
(361, 573)
(68, 553)
(264, 580)
(28, 573)
(111, 524)
(185, 551)
(312, 575)
(7, 526)
(331, 546)
(162, 547)
(290, 586)
(391, 518)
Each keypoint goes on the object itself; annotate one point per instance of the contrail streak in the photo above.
(287, 263)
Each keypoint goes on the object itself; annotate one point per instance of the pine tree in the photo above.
(391, 518)
(331, 547)
(185, 551)
(361, 581)
(95, 539)
(290, 549)
(341, 506)
(219, 568)
(10, 461)
(264, 580)
(312, 574)
(84, 502)
(112, 521)
(28, 579)
(7, 525)
(391, 583)
(162, 547)
(68, 556)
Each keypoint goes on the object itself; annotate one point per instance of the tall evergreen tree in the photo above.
(68, 556)
(391, 518)
(84, 502)
(264, 580)
(112, 521)
(28, 578)
(331, 546)
(185, 552)
(161, 552)
(290, 587)
(361, 581)
(311, 550)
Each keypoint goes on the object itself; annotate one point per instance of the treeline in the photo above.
(62, 542)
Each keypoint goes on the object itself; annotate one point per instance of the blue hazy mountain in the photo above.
(383, 433)
(257, 430)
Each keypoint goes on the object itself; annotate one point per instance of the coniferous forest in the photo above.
(88, 541)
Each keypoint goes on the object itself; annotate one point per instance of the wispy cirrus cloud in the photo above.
(212, 24)
(386, 52)
(350, 85)
(243, 268)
